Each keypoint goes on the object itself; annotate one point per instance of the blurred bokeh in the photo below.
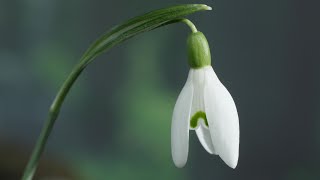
(115, 123)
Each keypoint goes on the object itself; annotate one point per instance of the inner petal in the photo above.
(197, 109)
(198, 116)
(205, 139)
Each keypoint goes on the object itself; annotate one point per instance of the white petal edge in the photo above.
(205, 139)
(222, 118)
(180, 124)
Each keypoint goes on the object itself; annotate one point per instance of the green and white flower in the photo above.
(206, 106)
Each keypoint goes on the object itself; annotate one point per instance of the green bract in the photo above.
(198, 50)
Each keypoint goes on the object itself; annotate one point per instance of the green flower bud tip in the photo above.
(198, 50)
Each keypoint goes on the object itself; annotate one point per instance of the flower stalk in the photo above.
(115, 36)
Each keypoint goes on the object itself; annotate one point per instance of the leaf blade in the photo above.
(137, 25)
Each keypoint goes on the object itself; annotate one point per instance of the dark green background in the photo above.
(115, 124)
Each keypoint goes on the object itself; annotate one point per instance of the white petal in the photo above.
(180, 124)
(222, 119)
(205, 139)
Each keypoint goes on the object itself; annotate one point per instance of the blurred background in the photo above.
(115, 123)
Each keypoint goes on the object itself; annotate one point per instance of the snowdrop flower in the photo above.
(206, 106)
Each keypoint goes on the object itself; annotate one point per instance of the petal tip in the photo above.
(232, 163)
(179, 164)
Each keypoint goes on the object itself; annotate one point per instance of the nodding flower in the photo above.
(206, 106)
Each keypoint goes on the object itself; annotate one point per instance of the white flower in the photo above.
(206, 106)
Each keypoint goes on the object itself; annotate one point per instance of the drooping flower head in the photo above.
(206, 106)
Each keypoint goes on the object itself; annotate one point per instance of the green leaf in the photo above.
(137, 25)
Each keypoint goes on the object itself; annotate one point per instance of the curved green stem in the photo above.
(116, 35)
(190, 24)
(47, 128)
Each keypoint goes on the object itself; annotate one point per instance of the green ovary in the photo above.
(196, 117)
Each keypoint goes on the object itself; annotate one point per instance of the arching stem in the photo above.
(189, 23)
(47, 127)
(116, 35)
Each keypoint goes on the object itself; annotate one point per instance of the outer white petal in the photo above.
(222, 119)
(205, 139)
(180, 124)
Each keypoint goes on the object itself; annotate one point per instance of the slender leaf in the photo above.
(134, 26)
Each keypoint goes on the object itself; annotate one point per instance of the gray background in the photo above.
(115, 124)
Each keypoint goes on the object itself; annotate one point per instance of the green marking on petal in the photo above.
(196, 117)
